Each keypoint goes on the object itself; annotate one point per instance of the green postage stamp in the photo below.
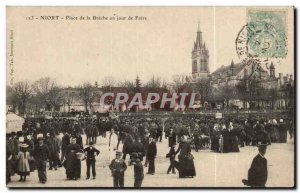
(266, 33)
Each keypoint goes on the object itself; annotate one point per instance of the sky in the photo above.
(75, 51)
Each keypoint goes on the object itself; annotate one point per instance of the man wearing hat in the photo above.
(64, 144)
(159, 131)
(171, 155)
(41, 154)
(258, 172)
(90, 159)
(14, 145)
(118, 167)
(54, 149)
(282, 128)
(151, 154)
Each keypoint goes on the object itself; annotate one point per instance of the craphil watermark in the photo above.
(165, 99)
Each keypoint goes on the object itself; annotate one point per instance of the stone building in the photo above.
(275, 92)
(200, 58)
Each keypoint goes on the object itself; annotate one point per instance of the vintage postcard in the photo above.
(150, 97)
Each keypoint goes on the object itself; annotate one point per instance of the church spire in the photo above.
(200, 57)
(199, 36)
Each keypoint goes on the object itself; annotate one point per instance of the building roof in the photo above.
(225, 71)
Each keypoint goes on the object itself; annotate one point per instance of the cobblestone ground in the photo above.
(212, 169)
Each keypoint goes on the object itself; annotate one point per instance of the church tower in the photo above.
(200, 57)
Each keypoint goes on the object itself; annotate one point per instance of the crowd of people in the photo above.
(40, 142)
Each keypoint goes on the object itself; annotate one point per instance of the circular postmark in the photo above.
(241, 43)
(264, 40)
(261, 41)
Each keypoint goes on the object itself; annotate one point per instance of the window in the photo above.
(201, 65)
(195, 66)
(205, 64)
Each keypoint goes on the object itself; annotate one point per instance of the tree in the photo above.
(68, 100)
(154, 84)
(108, 81)
(54, 97)
(243, 91)
(179, 81)
(41, 90)
(164, 86)
(86, 94)
(11, 98)
(204, 87)
(138, 83)
(224, 93)
(22, 93)
(128, 85)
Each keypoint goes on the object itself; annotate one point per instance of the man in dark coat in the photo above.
(151, 153)
(258, 172)
(41, 154)
(172, 138)
(15, 145)
(196, 138)
(54, 149)
(138, 147)
(90, 160)
(64, 144)
(159, 132)
(118, 167)
(95, 133)
(171, 155)
(89, 133)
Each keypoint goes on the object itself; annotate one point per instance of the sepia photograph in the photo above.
(150, 97)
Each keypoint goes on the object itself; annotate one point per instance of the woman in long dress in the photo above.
(185, 166)
(23, 162)
(215, 136)
(73, 164)
(275, 132)
(233, 140)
